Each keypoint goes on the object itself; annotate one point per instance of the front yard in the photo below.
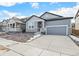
(46, 45)
(19, 37)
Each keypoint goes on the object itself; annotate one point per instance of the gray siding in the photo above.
(49, 16)
(60, 22)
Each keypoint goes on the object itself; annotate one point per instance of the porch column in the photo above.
(43, 24)
(8, 27)
(15, 26)
(43, 30)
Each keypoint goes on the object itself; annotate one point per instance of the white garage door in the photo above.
(57, 30)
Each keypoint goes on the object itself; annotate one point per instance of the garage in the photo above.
(57, 30)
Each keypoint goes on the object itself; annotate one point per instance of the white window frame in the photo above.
(58, 26)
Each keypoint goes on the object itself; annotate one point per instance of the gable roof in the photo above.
(24, 19)
(34, 16)
(51, 14)
(55, 19)
(16, 19)
(5, 21)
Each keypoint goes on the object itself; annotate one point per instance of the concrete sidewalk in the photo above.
(46, 45)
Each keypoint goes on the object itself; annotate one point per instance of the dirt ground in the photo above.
(19, 37)
(3, 49)
(75, 32)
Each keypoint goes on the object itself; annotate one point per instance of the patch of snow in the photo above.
(34, 37)
(74, 38)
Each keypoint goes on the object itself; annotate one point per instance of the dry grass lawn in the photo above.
(19, 37)
(75, 32)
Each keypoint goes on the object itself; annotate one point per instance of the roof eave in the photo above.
(55, 19)
(51, 14)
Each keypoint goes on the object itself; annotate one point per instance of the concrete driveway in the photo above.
(60, 44)
(46, 45)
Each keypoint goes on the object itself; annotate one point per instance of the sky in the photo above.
(26, 9)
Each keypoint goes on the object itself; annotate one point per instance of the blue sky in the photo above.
(8, 10)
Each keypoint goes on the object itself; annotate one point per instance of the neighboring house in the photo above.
(1, 27)
(13, 24)
(77, 21)
(34, 24)
(4, 25)
(49, 23)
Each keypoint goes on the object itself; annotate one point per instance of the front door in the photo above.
(39, 25)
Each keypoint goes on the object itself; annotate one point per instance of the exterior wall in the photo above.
(1, 27)
(49, 16)
(60, 22)
(4, 26)
(15, 29)
(32, 22)
(11, 21)
(77, 23)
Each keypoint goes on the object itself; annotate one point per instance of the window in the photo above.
(29, 26)
(32, 26)
(13, 25)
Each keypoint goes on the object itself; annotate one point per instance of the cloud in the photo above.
(53, 3)
(8, 4)
(66, 11)
(21, 16)
(35, 5)
(12, 3)
(6, 14)
(9, 14)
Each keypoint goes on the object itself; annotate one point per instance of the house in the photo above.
(1, 27)
(49, 23)
(56, 24)
(13, 24)
(4, 25)
(77, 21)
(34, 24)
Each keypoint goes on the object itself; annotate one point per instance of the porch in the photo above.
(14, 27)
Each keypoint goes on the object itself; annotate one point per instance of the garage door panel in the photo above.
(56, 30)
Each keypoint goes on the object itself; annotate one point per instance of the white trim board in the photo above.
(59, 26)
